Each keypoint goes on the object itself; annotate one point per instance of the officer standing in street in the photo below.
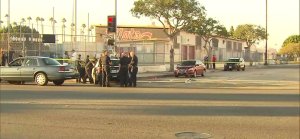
(88, 71)
(123, 70)
(80, 69)
(105, 62)
(133, 69)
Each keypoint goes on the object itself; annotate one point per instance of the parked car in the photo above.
(235, 63)
(38, 69)
(114, 70)
(189, 68)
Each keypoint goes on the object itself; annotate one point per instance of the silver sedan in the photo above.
(38, 69)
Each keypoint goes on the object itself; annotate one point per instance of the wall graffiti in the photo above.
(133, 34)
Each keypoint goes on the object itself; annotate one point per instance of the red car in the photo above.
(189, 68)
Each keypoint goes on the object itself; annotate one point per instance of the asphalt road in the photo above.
(267, 109)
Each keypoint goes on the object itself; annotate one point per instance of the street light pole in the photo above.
(266, 51)
(115, 37)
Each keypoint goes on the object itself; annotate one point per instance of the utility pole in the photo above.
(266, 51)
(115, 35)
(8, 32)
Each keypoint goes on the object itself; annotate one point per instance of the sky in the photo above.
(283, 15)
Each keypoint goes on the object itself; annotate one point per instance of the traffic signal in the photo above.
(111, 24)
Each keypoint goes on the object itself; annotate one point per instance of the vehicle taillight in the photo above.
(61, 69)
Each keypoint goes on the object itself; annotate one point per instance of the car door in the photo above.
(201, 67)
(198, 67)
(13, 71)
(29, 67)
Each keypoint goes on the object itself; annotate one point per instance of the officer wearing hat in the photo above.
(105, 62)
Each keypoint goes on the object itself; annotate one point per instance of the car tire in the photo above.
(41, 79)
(244, 68)
(176, 76)
(238, 68)
(58, 82)
(202, 74)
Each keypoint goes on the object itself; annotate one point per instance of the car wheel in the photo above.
(41, 79)
(238, 68)
(58, 82)
(176, 75)
(195, 74)
(243, 69)
(202, 74)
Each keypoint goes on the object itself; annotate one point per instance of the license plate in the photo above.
(230, 66)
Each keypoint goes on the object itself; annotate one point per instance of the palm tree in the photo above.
(63, 28)
(91, 30)
(15, 26)
(82, 31)
(72, 29)
(42, 20)
(53, 21)
(29, 18)
(37, 19)
(83, 27)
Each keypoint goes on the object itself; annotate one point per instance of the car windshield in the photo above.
(50, 62)
(233, 60)
(115, 62)
(187, 63)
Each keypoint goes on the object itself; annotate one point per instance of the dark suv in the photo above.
(235, 63)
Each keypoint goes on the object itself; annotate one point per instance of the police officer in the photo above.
(133, 69)
(105, 62)
(123, 70)
(80, 69)
(88, 70)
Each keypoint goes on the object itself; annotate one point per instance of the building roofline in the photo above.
(134, 26)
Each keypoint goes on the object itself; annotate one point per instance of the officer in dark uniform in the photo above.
(88, 71)
(123, 70)
(105, 62)
(133, 69)
(80, 69)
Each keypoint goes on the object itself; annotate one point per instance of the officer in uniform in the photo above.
(133, 69)
(80, 69)
(88, 71)
(105, 62)
(123, 70)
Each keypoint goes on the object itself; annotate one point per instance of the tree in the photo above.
(63, 28)
(231, 31)
(250, 34)
(292, 50)
(207, 29)
(42, 20)
(37, 19)
(291, 39)
(29, 19)
(174, 15)
(53, 21)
